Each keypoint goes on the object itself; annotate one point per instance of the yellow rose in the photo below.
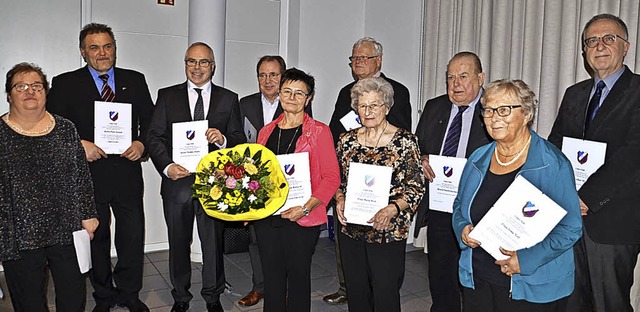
(250, 168)
(216, 192)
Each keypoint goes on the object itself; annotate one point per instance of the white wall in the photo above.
(316, 37)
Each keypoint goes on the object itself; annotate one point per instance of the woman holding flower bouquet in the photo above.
(287, 241)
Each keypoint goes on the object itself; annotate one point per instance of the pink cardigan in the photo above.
(316, 139)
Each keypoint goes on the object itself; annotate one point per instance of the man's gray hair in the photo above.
(377, 46)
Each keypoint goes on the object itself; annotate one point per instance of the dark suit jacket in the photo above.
(172, 106)
(430, 132)
(72, 96)
(251, 108)
(399, 115)
(612, 193)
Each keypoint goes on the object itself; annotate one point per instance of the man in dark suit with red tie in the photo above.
(605, 109)
(195, 99)
(450, 125)
(117, 179)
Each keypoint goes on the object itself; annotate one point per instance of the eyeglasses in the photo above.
(371, 107)
(503, 111)
(264, 76)
(364, 58)
(593, 42)
(202, 63)
(297, 94)
(36, 86)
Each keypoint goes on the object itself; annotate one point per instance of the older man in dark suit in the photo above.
(257, 110)
(606, 109)
(117, 179)
(438, 135)
(195, 99)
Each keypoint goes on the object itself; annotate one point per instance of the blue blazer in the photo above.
(547, 268)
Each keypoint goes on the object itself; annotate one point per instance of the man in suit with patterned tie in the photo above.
(117, 179)
(605, 109)
(450, 125)
(257, 110)
(196, 99)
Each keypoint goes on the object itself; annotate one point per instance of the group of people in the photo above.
(56, 180)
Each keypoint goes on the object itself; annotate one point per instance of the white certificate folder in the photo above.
(522, 217)
(368, 189)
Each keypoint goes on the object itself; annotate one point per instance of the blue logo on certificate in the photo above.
(582, 157)
(448, 171)
(191, 134)
(369, 180)
(289, 169)
(529, 210)
(113, 115)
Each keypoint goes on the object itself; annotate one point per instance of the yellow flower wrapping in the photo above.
(276, 199)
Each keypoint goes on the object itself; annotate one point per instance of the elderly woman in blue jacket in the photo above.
(539, 278)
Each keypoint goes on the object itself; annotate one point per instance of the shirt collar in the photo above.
(611, 79)
(206, 88)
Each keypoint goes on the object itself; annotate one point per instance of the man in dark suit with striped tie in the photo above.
(117, 178)
(450, 125)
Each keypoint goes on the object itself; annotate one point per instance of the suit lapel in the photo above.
(212, 101)
(87, 84)
(182, 96)
(609, 105)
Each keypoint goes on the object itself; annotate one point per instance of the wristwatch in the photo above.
(305, 211)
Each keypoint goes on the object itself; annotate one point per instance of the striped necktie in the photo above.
(107, 94)
(453, 136)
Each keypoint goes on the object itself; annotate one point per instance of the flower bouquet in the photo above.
(242, 183)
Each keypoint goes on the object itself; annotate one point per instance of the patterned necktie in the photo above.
(198, 112)
(453, 136)
(107, 94)
(593, 105)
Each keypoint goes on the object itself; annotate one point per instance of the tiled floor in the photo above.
(156, 291)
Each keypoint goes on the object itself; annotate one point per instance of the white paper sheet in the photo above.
(250, 131)
(82, 243)
(522, 217)
(189, 143)
(585, 157)
(112, 126)
(368, 189)
(444, 188)
(351, 121)
(296, 170)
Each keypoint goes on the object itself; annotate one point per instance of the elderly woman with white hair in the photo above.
(373, 256)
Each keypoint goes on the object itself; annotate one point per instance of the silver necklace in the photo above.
(366, 131)
(515, 158)
(19, 129)
(293, 138)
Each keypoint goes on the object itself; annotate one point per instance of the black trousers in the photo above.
(26, 280)
(486, 298)
(286, 249)
(179, 219)
(129, 243)
(604, 276)
(374, 274)
(337, 228)
(257, 277)
(444, 254)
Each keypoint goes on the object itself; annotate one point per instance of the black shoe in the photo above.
(180, 307)
(335, 298)
(135, 305)
(102, 307)
(214, 307)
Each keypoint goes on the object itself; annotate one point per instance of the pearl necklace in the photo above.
(515, 158)
(379, 137)
(19, 129)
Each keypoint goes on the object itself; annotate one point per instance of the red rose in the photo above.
(229, 168)
(238, 172)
